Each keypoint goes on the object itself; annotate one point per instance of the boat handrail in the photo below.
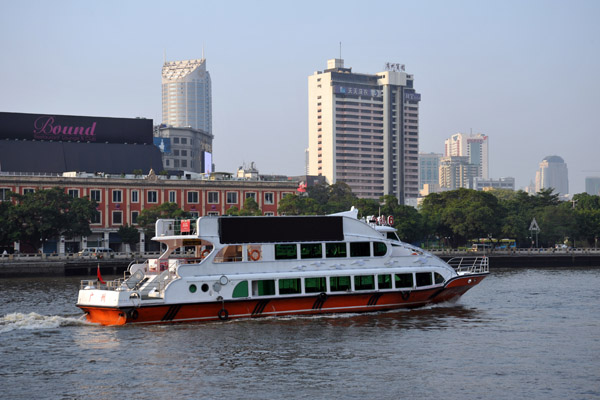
(470, 265)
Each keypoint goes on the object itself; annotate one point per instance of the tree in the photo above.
(233, 210)
(50, 213)
(250, 207)
(8, 227)
(129, 235)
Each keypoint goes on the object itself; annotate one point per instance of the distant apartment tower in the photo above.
(429, 169)
(364, 130)
(475, 147)
(186, 95)
(592, 185)
(553, 173)
(457, 172)
(486, 184)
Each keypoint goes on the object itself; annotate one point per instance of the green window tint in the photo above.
(290, 286)
(285, 252)
(311, 250)
(438, 278)
(241, 289)
(364, 282)
(384, 281)
(315, 285)
(379, 249)
(335, 250)
(424, 279)
(339, 283)
(404, 281)
(360, 249)
(266, 287)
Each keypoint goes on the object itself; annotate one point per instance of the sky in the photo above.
(525, 73)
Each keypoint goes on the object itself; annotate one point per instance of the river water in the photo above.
(521, 333)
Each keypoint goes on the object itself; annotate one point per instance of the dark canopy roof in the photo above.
(58, 157)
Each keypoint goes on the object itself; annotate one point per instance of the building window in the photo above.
(232, 197)
(95, 195)
(28, 190)
(194, 214)
(117, 217)
(251, 194)
(4, 194)
(183, 163)
(213, 197)
(183, 140)
(152, 196)
(269, 214)
(134, 216)
(172, 197)
(96, 217)
(74, 193)
(212, 213)
(269, 198)
(176, 140)
(135, 196)
(117, 196)
(192, 197)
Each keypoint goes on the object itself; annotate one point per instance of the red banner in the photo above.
(185, 225)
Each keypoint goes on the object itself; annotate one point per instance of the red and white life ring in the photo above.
(254, 255)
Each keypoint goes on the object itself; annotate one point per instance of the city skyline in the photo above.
(521, 73)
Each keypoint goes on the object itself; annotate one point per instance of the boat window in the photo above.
(438, 278)
(364, 282)
(241, 289)
(379, 249)
(263, 288)
(311, 250)
(384, 281)
(360, 249)
(404, 281)
(229, 254)
(254, 252)
(424, 279)
(339, 283)
(335, 250)
(290, 286)
(315, 285)
(285, 251)
(392, 236)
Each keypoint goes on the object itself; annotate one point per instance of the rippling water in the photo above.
(531, 334)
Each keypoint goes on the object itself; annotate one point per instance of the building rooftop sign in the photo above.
(69, 128)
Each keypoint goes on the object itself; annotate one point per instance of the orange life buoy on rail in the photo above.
(205, 252)
(254, 255)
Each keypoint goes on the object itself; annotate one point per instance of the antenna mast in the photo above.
(340, 50)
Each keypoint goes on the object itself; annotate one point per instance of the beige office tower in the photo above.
(364, 130)
(186, 95)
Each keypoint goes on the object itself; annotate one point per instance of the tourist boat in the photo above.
(225, 267)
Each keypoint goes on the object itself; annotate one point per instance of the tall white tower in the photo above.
(186, 95)
(553, 173)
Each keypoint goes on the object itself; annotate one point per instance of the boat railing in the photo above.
(470, 265)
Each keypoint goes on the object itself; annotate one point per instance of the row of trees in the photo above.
(459, 216)
(453, 218)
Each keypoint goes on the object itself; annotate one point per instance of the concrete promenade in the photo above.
(24, 265)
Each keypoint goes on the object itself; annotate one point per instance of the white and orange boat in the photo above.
(217, 268)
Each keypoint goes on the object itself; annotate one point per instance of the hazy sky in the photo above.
(526, 73)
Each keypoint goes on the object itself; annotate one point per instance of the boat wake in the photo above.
(34, 321)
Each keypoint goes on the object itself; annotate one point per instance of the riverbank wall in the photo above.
(117, 266)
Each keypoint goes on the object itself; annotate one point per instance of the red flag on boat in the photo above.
(100, 276)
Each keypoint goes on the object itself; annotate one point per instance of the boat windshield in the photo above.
(393, 236)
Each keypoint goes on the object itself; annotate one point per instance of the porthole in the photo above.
(205, 287)
(193, 288)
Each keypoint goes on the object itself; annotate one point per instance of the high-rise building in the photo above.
(429, 169)
(592, 185)
(553, 173)
(186, 95)
(475, 147)
(457, 172)
(184, 149)
(364, 130)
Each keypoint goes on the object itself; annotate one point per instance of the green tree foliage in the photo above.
(148, 216)
(47, 214)
(250, 207)
(9, 228)
(129, 235)
(462, 214)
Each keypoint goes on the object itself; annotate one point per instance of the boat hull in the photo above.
(320, 303)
